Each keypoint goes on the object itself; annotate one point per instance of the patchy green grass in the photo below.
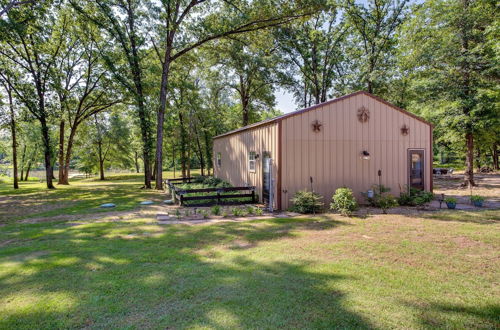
(383, 272)
(434, 270)
(82, 196)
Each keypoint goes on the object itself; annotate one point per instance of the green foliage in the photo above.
(415, 197)
(386, 201)
(237, 212)
(460, 95)
(476, 198)
(381, 198)
(216, 210)
(211, 182)
(450, 200)
(258, 211)
(344, 202)
(307, 202)
(204, 214)
(250, 210)
(378, 191)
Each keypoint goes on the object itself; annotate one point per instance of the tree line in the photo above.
(147, 84)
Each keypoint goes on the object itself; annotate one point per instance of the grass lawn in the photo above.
(82, 196)
(384, 271)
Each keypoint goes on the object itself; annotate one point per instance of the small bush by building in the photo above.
(307, 202)
(415, 197)
(344, 202)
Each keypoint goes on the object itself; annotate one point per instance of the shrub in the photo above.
(450, 200)
(237, 212)
(204, 213)
(224, 214)
(381, 198)
(343, 201)
(423, 197)
(378, 191)
(415, 197)
(258, 211)
(405, 199)
(250, 210)
(386, 201)
(198, 179)
(306, 202)
(215, 182)
(215, 210)
(476, 198)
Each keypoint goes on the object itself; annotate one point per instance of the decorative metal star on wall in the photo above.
(363, 114)
(405, 130)
(316, 125)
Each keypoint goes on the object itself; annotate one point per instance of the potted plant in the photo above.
(477, 200)
(450, 202)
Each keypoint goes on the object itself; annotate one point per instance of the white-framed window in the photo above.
(218, 159)
(251, 161)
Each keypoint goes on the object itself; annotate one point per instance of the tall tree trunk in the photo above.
(469, 161)
(69, 149)
(183, 144)
(136, 160)
(14, 139)
(173, 157)
(61, 152)
(147, 139)
(153, 176)
(314, 60)
(147, 143)
(208, 150)
(467, 94)
(245, 102)
(28, 168)
(200, 151)
(160, 116)
(53, 166)
(495, 157)
(23, 155)
(101, 160)
(478, 159)
(47, 153)
(246, 110)
(188, 163)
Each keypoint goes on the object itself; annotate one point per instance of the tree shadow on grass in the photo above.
(436, 315)
(483, 217)
(173, 277)
(72, 200)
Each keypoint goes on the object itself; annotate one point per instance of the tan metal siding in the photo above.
(332, 156)
(235, 151)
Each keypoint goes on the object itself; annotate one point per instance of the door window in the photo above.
(416, 168)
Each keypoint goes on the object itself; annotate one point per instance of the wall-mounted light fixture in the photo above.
(365, 155)
(257, 156)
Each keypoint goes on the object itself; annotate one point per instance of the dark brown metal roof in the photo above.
(298, 112)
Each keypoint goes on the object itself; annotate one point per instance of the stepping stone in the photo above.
(169, 202)
(163, 217)
(107, 205)
(147, 203)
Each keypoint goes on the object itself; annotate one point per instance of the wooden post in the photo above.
(218, 197)
(253, 196)
(174, 195)
(182, 199)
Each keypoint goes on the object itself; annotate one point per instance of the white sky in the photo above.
(284, 101)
